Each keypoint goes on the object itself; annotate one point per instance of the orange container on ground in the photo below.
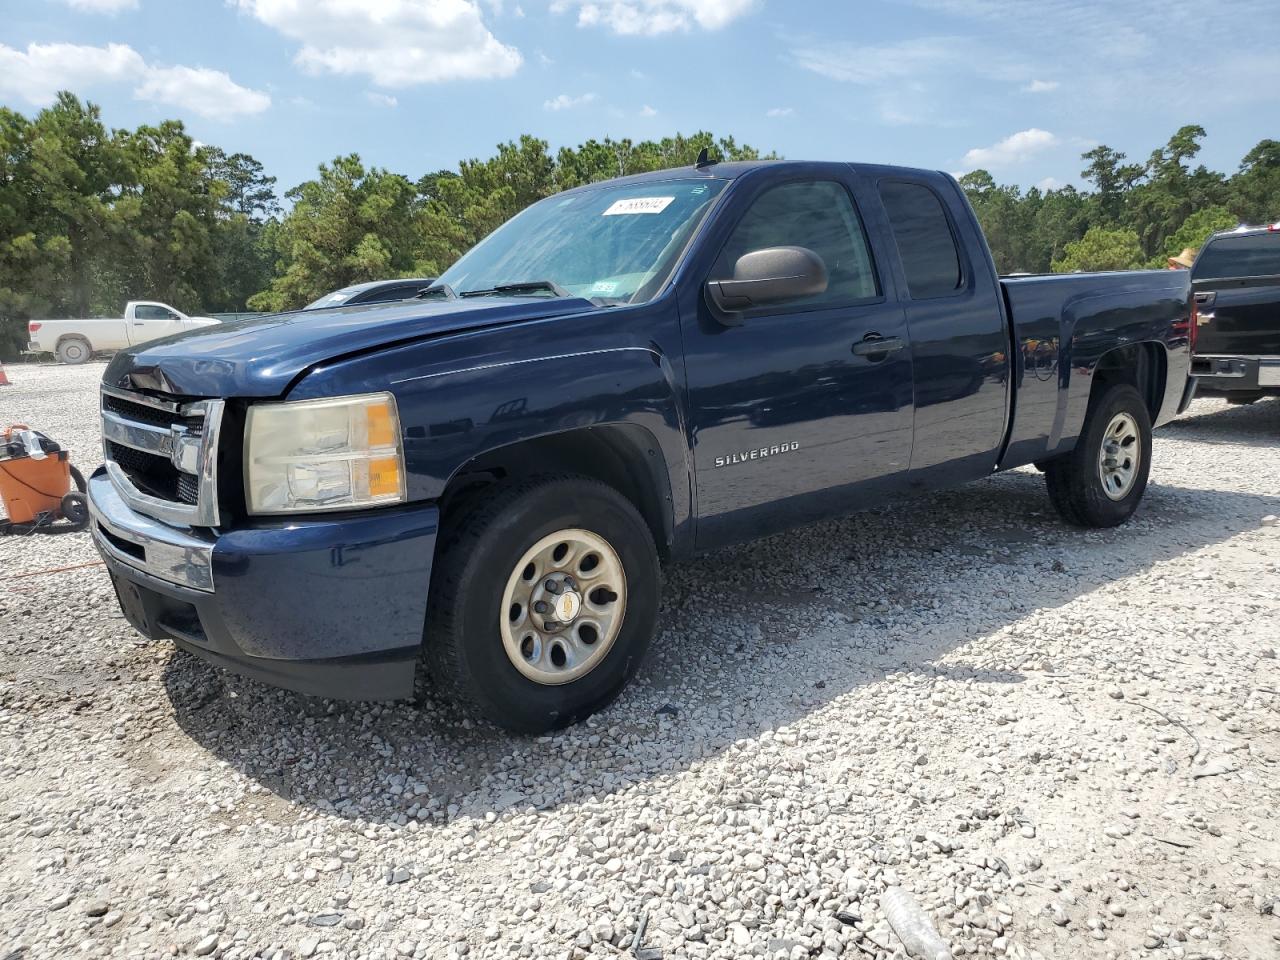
(33, 489)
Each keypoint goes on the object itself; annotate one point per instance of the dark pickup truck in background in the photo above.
(1236, 281)
(474, 490)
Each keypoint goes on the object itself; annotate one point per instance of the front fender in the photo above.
(464, 397)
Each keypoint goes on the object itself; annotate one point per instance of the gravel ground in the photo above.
(1064, 743)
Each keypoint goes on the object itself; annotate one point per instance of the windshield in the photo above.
(612, 245)
(333, 299)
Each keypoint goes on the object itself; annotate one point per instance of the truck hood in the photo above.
(262, 356)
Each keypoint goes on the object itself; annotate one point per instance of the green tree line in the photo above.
(1135, 215)
(91, 217)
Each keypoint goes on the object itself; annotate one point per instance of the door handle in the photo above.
(874, 345)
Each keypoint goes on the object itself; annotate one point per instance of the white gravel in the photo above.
(958, 695)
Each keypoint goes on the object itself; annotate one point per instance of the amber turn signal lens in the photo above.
(381, 425)
(384, 477)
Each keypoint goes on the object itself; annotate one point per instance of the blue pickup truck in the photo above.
(473, 491)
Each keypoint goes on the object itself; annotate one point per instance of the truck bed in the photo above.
(1095, 311)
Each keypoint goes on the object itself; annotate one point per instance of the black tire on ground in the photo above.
(463, 656)
(1075, 480)
(75, 510)
(74, 350)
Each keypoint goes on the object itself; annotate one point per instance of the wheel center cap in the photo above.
(567, 606)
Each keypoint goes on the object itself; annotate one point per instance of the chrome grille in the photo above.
(162, 455)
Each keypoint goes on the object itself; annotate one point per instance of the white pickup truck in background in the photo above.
(75, 341)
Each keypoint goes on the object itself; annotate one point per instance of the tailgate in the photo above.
(1238, 318)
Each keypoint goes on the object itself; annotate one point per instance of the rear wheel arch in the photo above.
(1144, 366)
(624, 456)
(68, 339)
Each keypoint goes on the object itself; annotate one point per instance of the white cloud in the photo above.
(652, 17)
(1014, 149)
(102, 6)
(648, 111)
(38, 73)
(873, 65)
(381, 99)
(566, 102)
(396, 43)
(1119, 51)
(776, 112)
(209, 93)
(1050, 183)
(1041, 86)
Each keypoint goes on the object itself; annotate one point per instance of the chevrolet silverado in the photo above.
(473, 491)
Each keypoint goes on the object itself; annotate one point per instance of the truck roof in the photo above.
(733, 169)
(1245, 230)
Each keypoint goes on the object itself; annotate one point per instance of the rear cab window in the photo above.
(926, 243)
(1235, 257)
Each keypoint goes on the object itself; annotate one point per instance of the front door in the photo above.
(151, 321)
(796, 412)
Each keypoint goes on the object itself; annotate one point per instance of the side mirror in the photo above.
(771, 275)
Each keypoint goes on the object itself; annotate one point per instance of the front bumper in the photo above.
(332, 607)
(1227, 375)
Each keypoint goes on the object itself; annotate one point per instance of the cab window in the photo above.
(149, 311)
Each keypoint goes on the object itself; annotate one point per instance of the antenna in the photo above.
(704, 159)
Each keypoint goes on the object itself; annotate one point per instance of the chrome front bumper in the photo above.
(177, 556)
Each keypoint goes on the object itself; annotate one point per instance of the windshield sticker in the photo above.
(606, 287)
(638, 205)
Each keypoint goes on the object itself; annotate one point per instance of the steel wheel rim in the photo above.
(1120, 456)
(563, 606)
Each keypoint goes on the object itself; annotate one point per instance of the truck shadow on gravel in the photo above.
(753, 638)
(1253, 425)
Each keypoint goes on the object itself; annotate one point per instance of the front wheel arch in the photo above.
(624, 456)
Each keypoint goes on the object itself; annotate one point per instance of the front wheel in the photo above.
(543, 601)
(1101, 481)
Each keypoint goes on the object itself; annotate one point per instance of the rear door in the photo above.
(1236, 280)
(799, 410)
(959, 339)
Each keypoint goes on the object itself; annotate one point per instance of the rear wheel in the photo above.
(1101, 482)
(543, 601)
(74, 350)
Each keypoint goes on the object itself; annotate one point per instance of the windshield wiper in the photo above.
(442, 290)
(527, 286)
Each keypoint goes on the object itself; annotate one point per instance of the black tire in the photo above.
(74, 350)
(75, 510)
(1074, 480)
(463, 657)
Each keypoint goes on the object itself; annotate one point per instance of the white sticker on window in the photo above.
(606, 287)
(638, 205)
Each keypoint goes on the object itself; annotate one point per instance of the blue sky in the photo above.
(1020, 87)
